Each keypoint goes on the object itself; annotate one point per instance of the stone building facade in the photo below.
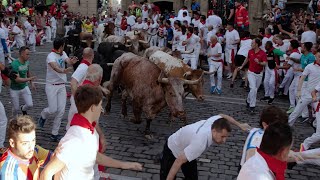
(85, 7)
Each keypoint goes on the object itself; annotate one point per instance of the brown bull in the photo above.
(174, 67)
(150, 92)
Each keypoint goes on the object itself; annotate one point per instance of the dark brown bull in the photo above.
(143, 81)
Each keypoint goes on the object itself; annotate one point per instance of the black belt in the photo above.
(58, 84)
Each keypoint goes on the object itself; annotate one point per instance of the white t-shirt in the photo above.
(203, 29)
(256, 168)
(245, 46)
(192, 139)
(309, 36)
(294, 65)
(145, 14)
(54, 77)
(186, 18)
(210, 34)
(217, 49)
(80, 73)
(253, 141)
(215, 21)
(192, 42)
(195, 22)
(284, 48)
(264, 41)
(313, 73)
(19, 34)
(79, 149)
(231, 38)
(141, 26)
(153, 28)
(53, 22)
(131, 20)
(2, 36)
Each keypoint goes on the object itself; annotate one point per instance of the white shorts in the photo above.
(230, 55)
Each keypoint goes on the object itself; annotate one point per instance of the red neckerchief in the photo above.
(56, 51)
(219, 34)
(172, 16)
(267, 35)
(271, 49)
(87, 82)
(296, 51)
(146, 8)
(79, 120)
(203, 22)
(280, 44)
(315, 63)
(85, 62)
(276, 166)
(245, 38)
(189, 35)
(231, 30)
(213, 45)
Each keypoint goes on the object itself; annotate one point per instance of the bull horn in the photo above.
(162, 80)
(187, 74)
(208, 73)
(193, 82)
(116, 46)
(128, 45)
(135, 32)
(143, 42)
(110, 64)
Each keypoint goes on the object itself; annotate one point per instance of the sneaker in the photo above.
(251, 110)
(242, 84)
(55, 138)
(280, 91)
(41, 122)
(265, 99)
(229, 76)
(231, 85)
(302, 148)
(212, 89)
(270, 101)
(290, 110)
(23, 112)
(218, 91)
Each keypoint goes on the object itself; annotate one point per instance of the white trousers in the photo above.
(215, 66)
(193, 60)
(54, 32)
(312, 152)
(315, 136)
(72, 111)
(25, 93)
(254, 83)
(302, 105)
(3, 125)
(153, 40)
(269, 82)
(48, 32)
(67, 29)
(286, 80)
(161, 42)
(57, 97)
(293, 91)
(230, 54)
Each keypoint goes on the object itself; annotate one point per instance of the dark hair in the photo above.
(276, 137)
(310, 26)
(168, 22)
(273, 114)
(269, 44)
(23, 48)
(203, 17)
(258, 41)
(221, 124)
(190, 29)
(20, 124)
(294, 44)
(57, 43)
(177, 22)
(308, 45)
(86, 96)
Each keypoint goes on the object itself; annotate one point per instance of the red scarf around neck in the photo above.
(267, 35)
(276, 166)
(296, 51)
(57, 52)
(315, 62)
(231, 30)
(79, 120)
(213, 45)
(189, 35)
(245, 38)
(84, 61)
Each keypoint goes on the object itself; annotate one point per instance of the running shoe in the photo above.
(290, 110)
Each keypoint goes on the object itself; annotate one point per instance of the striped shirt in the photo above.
(13, 167)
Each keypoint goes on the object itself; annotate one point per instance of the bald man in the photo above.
(77, 78)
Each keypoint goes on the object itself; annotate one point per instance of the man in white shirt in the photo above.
(131, 20)
(18, 34)
(214, 20)
(308, 35)
(3, 116)
(56, 79)
(188, 143)
(82, 137)
(139, 25)
(215, 62)
(270, 160)
(185, 17)
(3, 46)
(190, 42)
(53, 24)
(232, 40)
(196, 20)
(267, 37)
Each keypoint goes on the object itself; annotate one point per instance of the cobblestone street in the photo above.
(127, 142)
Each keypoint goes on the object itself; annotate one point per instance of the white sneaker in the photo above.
(229, 76)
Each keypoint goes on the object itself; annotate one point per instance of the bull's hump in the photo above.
(169, 62)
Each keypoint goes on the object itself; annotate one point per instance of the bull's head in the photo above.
(174, 93)
(197, 88)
